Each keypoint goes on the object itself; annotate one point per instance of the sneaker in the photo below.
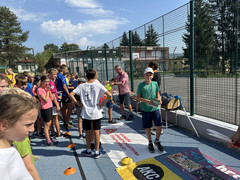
(40, 135)
(161, 132)
(159, 146)
(130, 117)
(96, 156)
(59, 137)
(151, 148)
(113, 121)
(81, 136)
(50, 144)
(153, 132)
(85, 153)
(123, 117)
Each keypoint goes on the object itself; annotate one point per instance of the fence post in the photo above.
(106, 64)
(131, 60)
(191, 57)
(92, 58)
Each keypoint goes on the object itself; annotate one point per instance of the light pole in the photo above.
(34, 61)
(174, 58)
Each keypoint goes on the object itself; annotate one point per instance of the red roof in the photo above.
(26, 61)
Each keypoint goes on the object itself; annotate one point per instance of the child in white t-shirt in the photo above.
(90, 93)
(15, 127)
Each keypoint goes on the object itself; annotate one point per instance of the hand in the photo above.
(79, 104)
(112, 101)
(48, 88)
(160, 102)
(236, 138)
(112, 84)
(58, 108)
(100, 105)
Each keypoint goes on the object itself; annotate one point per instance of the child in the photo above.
(111, 102)
(3, 83)
(45, 96)
(11, 76)
(79, 110)
(90, 93)
(15, 127)
(21, 82)
(146, 91)
(73, 81)
(56, 107)
(31, 77)
(24, 148)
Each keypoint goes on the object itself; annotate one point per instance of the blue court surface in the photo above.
(55, 160)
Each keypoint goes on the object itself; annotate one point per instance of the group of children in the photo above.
(16, 127)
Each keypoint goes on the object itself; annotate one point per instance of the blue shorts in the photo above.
(109, 104)
(148, 117)
(124, 98)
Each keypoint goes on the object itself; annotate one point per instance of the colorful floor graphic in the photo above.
(146, 169)
(200, 166)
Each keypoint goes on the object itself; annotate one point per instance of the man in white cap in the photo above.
(148, 94)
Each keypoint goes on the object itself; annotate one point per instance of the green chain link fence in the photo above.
(167, 41)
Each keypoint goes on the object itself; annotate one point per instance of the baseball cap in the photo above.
(148, 70)
(82, 80)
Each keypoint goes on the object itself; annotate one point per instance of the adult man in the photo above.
(124, 92)
(66, 101)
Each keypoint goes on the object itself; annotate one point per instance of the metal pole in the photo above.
(92, 58)
(34, 62)
(191, 57)
(106, 64)
(131, 60)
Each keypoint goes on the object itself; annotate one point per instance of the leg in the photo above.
(130, 108)
(97, 139)
(80, 126)
(56, 123)
(122, 109)
(39, 124)
(148, 133)
(110, 114)
(64, 112)
(158, 131)
(88, 138)
(69, 111)
(46, 130)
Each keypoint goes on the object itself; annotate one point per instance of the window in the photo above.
(142, 54)
(156, 54)
(123, 54)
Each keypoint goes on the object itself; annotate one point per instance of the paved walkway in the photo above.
(55, 160)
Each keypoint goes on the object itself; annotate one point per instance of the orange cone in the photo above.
(69, 171)
(71, 145)
(67, 134)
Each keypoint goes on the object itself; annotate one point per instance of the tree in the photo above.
(225, 17)
(11, 37)
(54, 48)
(68, 47)
(151, 37)
(136, 40)
(204, 34)
(124, 40)
(42, 58)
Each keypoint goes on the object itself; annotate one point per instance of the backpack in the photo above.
(166, 98)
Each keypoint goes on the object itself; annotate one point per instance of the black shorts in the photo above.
(124, 98)
(46, 114)
(66, 100)
(87, 124)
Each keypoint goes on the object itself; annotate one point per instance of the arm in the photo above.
(56, 102)
(30, 167)
(71, 96)
(45, 98)
(159, 97)
(65, 89)
(236, 136)
(13, 77)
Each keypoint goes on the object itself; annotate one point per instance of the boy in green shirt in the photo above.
(147, 93)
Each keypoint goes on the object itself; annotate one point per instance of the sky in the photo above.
(84, 22)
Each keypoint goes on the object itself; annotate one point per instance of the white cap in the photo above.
(148, 70)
